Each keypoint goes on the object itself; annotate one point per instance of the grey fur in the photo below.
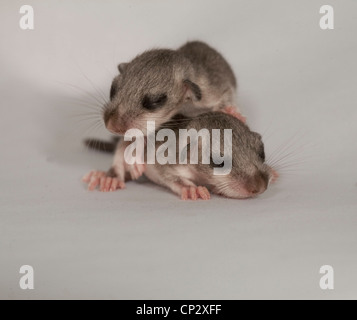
(195, 78)
(250, 174)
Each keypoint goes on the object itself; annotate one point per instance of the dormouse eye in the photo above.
(113, 91)
(152, 103)
(261, 154)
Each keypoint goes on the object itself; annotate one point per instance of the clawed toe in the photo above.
(88, 177)
(111, 184)
(204, 193)
(195, 193)
(136, 171)
(102, 181)
(116, 184)
(233, 112)
(94, 179)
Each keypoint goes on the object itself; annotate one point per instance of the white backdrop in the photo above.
(297, 87)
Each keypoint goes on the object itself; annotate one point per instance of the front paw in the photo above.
(135, 170)
(195, 193)
(103, 180)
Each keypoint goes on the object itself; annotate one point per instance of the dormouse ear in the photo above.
(193, 91)
(256, 134)
(122, 67)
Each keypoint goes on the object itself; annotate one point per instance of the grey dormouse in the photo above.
(155, 86)
(249, 175)
(160, 83)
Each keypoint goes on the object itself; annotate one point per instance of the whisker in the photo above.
(83, 91)
(101, 93)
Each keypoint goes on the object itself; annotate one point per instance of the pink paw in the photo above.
(195, 193)
(100, 179)
(275, 175)
(136, 170)
(233, 112)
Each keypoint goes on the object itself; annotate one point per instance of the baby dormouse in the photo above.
(158, 84)
(249, 175)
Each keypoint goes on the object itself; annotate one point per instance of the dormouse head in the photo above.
(249, 175)
(152, 87)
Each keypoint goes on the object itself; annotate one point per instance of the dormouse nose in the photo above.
(115, 126)
(257, 189)
(258, 184)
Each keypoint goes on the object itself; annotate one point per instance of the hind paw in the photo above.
(274, 175)
(233, 112)
(101, 180)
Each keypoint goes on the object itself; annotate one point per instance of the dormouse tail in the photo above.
(103, 146)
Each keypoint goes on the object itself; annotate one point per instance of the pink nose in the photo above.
(257, 185)
(256, 189)
(113, 127)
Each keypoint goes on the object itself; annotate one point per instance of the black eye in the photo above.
(154, 102)
(261, 154)
(214, 165)
(113, 91)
